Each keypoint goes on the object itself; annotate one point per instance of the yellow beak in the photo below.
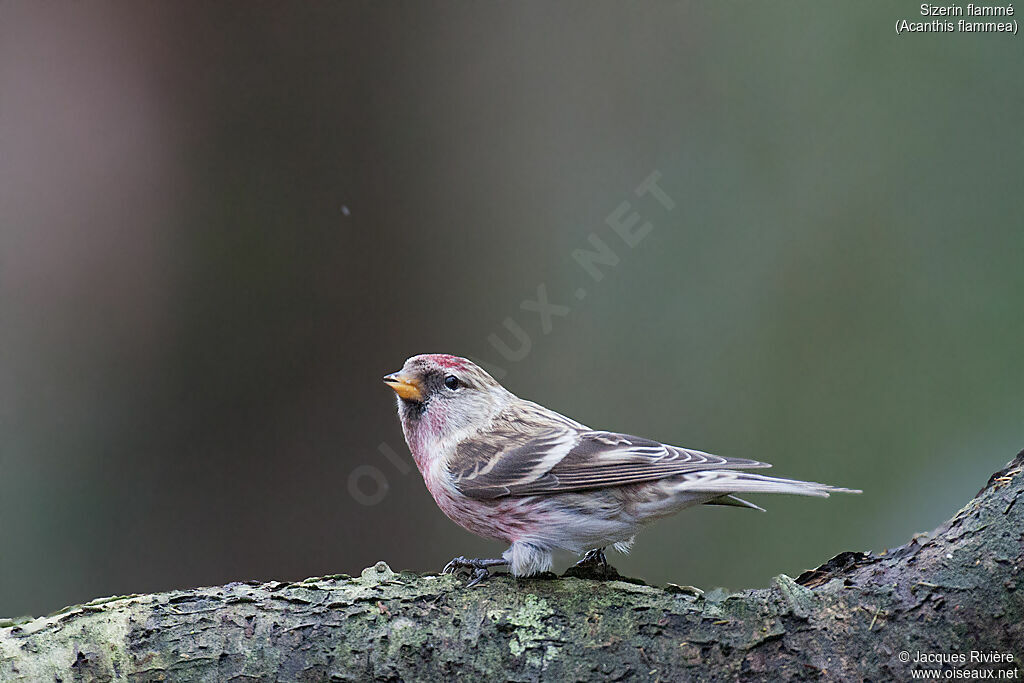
(409, 388)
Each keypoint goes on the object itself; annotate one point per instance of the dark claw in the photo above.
(478, 576)
(594, 565)
(594, 557)
(477, 567)
(455, 565)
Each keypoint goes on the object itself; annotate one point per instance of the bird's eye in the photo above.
(452, 382)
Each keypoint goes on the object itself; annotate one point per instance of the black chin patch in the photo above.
(413, 409)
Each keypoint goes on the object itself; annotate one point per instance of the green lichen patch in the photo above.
(533, 631)
(798, 600)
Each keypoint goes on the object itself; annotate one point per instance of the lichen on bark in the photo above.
(954, 590)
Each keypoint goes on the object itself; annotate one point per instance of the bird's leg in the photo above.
(478, 568)
(594, 557)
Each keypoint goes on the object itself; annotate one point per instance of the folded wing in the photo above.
(567, 457)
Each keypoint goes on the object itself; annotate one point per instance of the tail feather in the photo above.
(735, 501)
(729, 482)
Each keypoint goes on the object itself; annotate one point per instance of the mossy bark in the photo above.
(955, 590)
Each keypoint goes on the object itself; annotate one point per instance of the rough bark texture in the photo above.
(955, 590)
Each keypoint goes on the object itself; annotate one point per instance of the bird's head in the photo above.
(446, 393)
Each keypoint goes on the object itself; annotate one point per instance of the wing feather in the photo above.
(535, 454)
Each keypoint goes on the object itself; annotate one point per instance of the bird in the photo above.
(511, 470)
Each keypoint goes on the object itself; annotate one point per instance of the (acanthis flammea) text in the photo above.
(974, 19)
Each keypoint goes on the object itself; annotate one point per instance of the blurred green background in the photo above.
(221, 224)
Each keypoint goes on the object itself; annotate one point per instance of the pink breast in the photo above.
(502, 519)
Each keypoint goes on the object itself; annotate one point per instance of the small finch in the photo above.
(511, 470)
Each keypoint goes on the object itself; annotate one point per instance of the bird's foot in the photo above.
(593, 565)
(594, 558)
(476, 567)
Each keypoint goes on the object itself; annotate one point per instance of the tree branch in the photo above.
(952, 591)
